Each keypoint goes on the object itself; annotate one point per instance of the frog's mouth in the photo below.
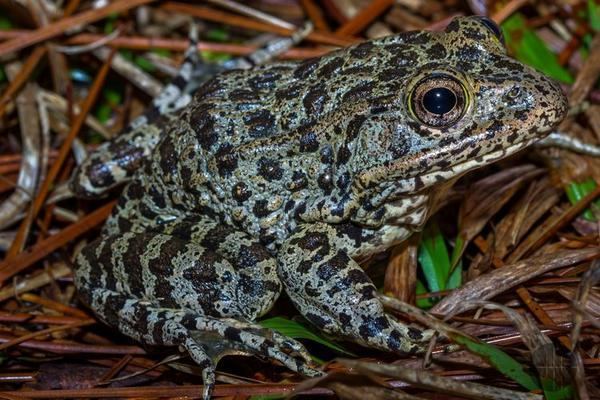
(442, 174)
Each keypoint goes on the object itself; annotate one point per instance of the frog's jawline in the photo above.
(431, 177)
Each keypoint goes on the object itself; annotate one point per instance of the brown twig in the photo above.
(315, 14)
(364, 17)
(243, 22)
(21, 78)
(9, 268)
(75, 348)
(189, 391)
(47, 331)
(63, 153)
(60, 26)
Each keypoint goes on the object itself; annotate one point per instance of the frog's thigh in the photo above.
(163, 290)
(333, 292)
(176, 273)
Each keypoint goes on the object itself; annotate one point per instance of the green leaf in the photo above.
(552, 391)
(103, 113)
(268, 397)
(296, 330)
(578, 190)
(499, 359)
(594, 15)
(493, 355)
(112, 96)
(434, 258)
(144, 64)
(455, 278)
(162, 52)
(424, 303)
(218, 35)
(5, 23)
(527, 46)
(213, 56)
(109, 25)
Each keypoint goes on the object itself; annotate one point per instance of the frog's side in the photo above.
(283, 175)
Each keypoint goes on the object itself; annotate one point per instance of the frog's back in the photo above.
(241, 106)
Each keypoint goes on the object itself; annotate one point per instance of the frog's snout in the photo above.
(557, 104)
(562, 104)
(548, 105)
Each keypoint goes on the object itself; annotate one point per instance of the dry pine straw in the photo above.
(21, 258)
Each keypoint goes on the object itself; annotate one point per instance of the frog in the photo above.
(283, 177)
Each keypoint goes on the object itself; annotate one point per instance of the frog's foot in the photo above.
(333, 292)
(206, 339)
(211, 339)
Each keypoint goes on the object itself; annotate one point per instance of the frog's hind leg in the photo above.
(333, 292)
(164, 290)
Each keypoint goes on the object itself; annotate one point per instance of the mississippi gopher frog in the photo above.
(279, 177)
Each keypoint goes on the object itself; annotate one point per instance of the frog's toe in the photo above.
(291, 346)
(198, 354)
(275, 346)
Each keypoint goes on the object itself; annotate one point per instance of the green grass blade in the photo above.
(499, 359)
(296, 330)
(528, 47)
(593, 10)
(434, 258)
(425, 303)
(578, 190)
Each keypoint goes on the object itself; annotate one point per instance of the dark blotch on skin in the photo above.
(372, 327)
(437, 51)
(359, 92)
(317, 320)
(354, 126)
(241, 95)
(226, 159)
(314, 101)
(343, 155)
(233, 334)
(312, 241)
(325, 181)
(306, 68)
(260, 208)
(269, 169)
(168, 156)
(204, 125)
(240, 192)
(266, 80)
(414, 333)
(362, 50)
(100, 175)
(309, 141)
(332, 66)
(260, 123)
(299, 181)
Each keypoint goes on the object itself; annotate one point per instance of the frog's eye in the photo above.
(493, 27)
(438, 101)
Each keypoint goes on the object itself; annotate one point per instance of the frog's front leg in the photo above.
(333, 292)
(197, 289)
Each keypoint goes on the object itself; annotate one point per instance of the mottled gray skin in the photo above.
(282, 176)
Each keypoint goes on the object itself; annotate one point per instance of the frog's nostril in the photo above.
(514, 93)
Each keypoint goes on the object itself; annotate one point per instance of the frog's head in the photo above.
(462, 103)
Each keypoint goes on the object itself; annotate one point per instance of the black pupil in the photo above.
(439, 100)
